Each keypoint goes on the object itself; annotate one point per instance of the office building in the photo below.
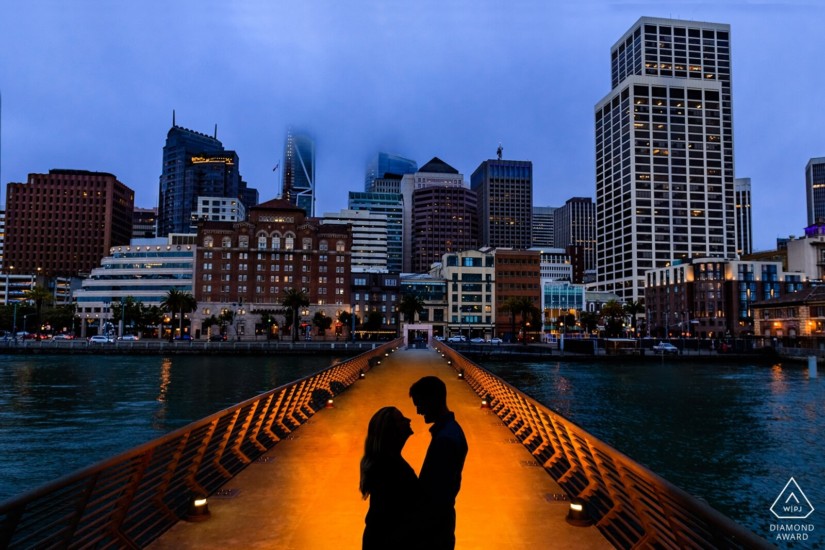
(144, 223)
(369, 238)
(248, 267)
(744, 227)
(218, 209)
(504, 190)
(386, 166)
(390, 205)
(435, 173)
(196, 165)
(543, 229)
(376, 295)
(664, 152)
(556, 264)
(815, 189)
(517, 275)
(470, 276)
(711, 297)
(299, 171)
(62, 223)
(575, 227)
(432, 290)
(144, 269)
(444, 219)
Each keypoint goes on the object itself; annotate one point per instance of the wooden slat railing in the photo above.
(631, 506)
(131, 499)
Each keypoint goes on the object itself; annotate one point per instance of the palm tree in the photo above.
(589, 321)
(633, 308)
(613, 313)
(410, 306)
(39, 295)
(175, 300)
(522, 307)
(294, 301)
(321, 322)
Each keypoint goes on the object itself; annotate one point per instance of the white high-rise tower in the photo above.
(664, 152)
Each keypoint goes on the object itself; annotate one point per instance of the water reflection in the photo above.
(731, 435)
(60, 413)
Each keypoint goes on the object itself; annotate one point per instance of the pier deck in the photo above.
(304, 493)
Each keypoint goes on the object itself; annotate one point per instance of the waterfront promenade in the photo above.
(304, 492)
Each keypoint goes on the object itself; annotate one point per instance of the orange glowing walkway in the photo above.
(304, 493)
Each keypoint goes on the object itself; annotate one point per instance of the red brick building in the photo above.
(249, 266)
(517, 274)
(64, 222)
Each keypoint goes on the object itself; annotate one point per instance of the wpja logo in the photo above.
(792, 504)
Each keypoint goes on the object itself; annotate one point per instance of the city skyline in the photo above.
(419, 81)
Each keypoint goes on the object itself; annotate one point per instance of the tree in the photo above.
(523, 308)
(614, 314)
(127, 309)
(589, 321)
(183, 302)
(633, 308)
(375, 321)
(39, 295)
(294, 301)
(321, 322)
(410, 306)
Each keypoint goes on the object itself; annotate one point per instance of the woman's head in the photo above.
(387, 433)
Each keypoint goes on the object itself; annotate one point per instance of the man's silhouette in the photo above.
(440, 476)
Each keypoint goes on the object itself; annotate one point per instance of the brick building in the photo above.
(64, 222)
(249, 266)
(517, 274)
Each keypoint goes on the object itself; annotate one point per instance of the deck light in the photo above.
(198, 508)
(461, 374)
(330, 403)
(577, 514)
(361, 374)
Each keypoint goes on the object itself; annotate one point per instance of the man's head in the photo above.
(429, 396)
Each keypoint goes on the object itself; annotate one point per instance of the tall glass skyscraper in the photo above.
(744, 227)
(390, 205)
(196, 165)
(664, 152)
(815, 189)
(299, 171)
(504, 190)
(389, 166)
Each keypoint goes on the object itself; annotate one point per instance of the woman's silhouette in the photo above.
(389, 482)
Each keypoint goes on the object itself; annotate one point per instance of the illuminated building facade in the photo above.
(504, 190)
(62, 223)
(664, 152)
(196, 165)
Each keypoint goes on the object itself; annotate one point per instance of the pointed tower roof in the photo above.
(438, 166)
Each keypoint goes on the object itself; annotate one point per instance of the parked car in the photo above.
(217, 338)
(100, 339)
(129, 337)
(496, 340)
(63, 337)
(666, 347)
(184, 337)
(439, 338)
(477, 340)
(458, 338)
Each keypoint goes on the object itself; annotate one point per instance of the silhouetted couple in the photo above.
(407, 511)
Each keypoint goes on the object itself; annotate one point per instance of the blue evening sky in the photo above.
(91, 84)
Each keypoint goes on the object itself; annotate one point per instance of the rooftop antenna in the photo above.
(499, 151)
(173, 118)
(216, 130)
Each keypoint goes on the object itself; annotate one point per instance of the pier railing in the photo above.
(631, 506)
(131, 499)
